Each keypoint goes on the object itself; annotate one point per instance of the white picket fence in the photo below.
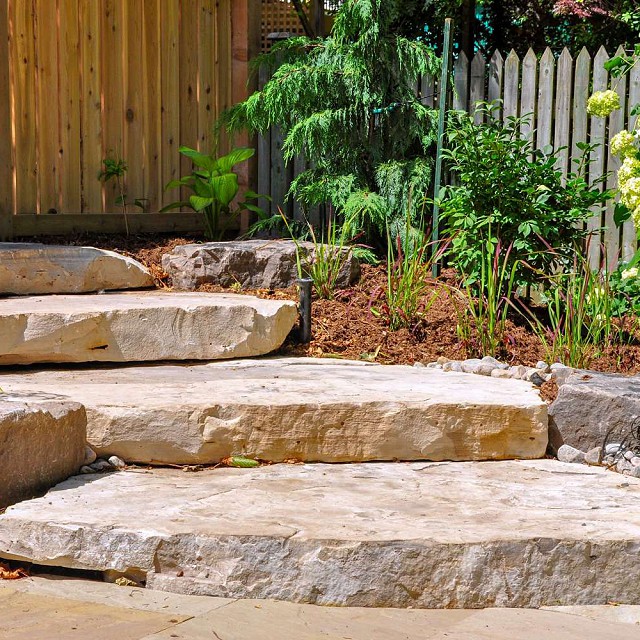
(554, 91)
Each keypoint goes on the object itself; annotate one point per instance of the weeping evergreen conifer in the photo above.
(348, 103)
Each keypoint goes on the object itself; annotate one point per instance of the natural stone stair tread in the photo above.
(514, 534)
(141, 326)
(31, 268)
(313, 409)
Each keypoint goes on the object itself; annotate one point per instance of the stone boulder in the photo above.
(254, 264)
(42, 442)
(34, 269)
(135, 327)
(589, 404)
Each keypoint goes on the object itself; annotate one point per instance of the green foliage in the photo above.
(348, 103)
(580, 315)
(510, 195)
(214, 184)
(114, 168)
(624, 283)
(408, 296)
(482, 319)
(327, 260)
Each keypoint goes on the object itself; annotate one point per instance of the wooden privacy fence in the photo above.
(82, 80)
(554, 91)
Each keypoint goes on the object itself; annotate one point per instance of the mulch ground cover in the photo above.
(346, 327)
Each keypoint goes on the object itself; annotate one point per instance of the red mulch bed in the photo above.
(346, 328)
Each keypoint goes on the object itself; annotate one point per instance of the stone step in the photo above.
(31, 269)
(310, 409)
(42, 442)
(134, 327)
(422, 535)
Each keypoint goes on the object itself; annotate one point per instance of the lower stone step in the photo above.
(136, 327)
(424, 535)
(304, 408)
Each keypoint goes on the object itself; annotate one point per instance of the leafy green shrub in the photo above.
(509, 194)
(348, 103)
(625, 288)
(214, 185)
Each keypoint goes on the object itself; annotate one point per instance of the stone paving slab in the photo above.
(199, 618)
(304, 408)
(42, 442)
(33, 269)
(424, 535)
(136, 327)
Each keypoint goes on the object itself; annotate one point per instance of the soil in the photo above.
(346, 327)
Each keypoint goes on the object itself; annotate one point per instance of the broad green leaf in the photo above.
(621, 214)
(224, 188)
(203, 189)
(199, 159)
(226, 163)
(199, 203)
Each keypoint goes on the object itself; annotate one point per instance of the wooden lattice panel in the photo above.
(278, 16)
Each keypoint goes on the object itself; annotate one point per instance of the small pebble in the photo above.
(116, 462)
(501, 373)
(635, 472)
(100, 465)
(518, 371)
(447, 366)
(635, 461)
(567, 453)
(418, 364)
(434, 365)
(612, 448)
(490, 360)
(86, 469)
(629, 454)
(485, 369)
(89, 455)
(456, 366)
(542, 366)
(594, 456)
(536, 379)
(442, 360)
(623, 466)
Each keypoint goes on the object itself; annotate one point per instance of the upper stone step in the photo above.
(422, 535)
(254, 264)
(304, 408)
(135, 327)
(34, 269)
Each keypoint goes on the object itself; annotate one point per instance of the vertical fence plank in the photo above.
(112, 56)
(188, 81)
(511, 84)
(134, 116)
(47, 106)
(617, 121)
(561, 137)
(25, 113)
(152, 106)
(495, 89)
(528, 95)
(428, 90)
(461, 82)
(208, 79)
(597, 165)
(476, 92)
(170, 95)
(545, 100)
(6, 152)
(582, 79)
(91, 107)
(224, 68)
(69, 73)
(629, 233)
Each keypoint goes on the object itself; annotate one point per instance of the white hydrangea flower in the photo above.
(627, 274)
(623, 144)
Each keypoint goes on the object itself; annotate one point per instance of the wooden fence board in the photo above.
(511, 85)
(477, 85)
(562, 133)
(629, 233)
(545, 100)
(461, 83)
(528, 95)
(598, 156)
(90, 107)
(6, 160)
(580, 95)
(495, 88)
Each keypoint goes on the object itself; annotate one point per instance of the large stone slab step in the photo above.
(42, 442)
(135, 327)
(424, 535)
(33, 269)
(310, 409)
